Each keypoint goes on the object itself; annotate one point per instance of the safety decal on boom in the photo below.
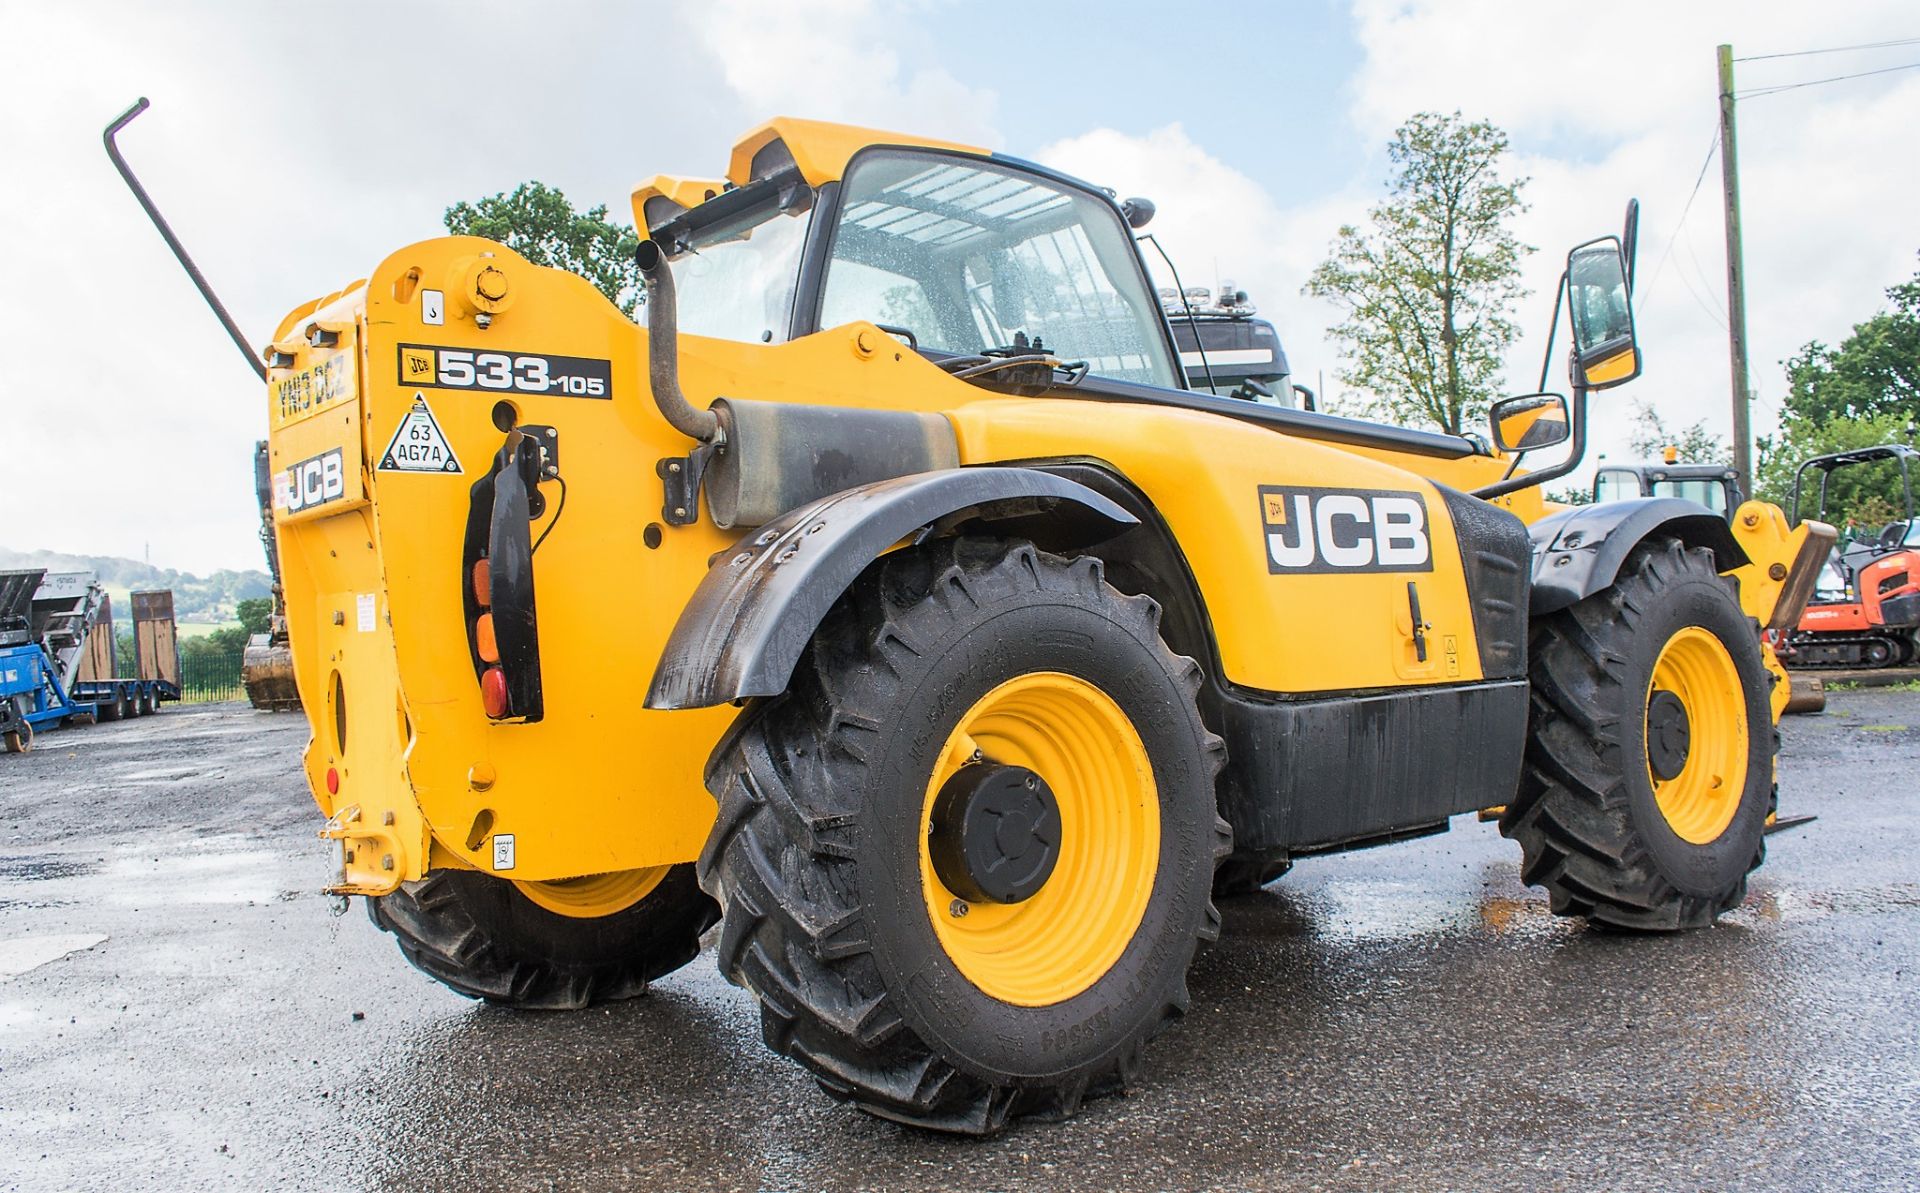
(1344, 530)
(419, 445)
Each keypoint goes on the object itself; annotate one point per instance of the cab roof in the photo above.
(819, 150)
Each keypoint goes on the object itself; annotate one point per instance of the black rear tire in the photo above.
(815, 856)
(1590, 828)
(482, 937)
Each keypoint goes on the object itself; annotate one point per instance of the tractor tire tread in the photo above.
(1571, 815)
(780, 857)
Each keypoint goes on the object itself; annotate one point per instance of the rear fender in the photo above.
(760, 603)
(1580, 551)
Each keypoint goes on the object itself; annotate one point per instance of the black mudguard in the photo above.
(1578, 552)
(762, 600)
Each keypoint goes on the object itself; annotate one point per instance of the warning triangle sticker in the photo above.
(419, 445)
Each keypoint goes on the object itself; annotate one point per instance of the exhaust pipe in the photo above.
(663, 349)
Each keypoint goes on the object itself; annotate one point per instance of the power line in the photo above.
(1872, 45)
(1713, 146)
(1758, 91)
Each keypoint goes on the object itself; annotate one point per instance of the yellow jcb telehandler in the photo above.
(973, 651)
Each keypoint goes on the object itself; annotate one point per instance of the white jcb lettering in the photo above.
(1399, 531)
(1299, 553)
(1332, 530)
(1356, 554)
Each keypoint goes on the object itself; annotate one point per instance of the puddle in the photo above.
(221, 870)
(24, 954)
(41, 869)
(157, 778)
(199, 876)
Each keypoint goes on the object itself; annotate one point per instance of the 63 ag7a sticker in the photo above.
(505, 372)
(314, 481)
(418, 445)
(1317, 530)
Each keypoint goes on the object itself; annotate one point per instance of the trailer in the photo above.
(57, 659)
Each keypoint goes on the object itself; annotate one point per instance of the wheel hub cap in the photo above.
(1668, 735)
(996, 833)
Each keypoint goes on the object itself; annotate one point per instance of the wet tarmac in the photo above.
(178, 1006)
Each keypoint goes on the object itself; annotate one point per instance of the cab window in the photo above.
(1615, 484)
(967, 255)
(1710, 493)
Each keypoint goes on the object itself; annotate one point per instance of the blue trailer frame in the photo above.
(35, 693)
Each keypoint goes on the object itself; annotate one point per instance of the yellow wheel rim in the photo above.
(1054, 945)
(594, 895)
(1700, 801)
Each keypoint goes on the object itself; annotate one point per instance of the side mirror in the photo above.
(1530, 422)
(1605, 352)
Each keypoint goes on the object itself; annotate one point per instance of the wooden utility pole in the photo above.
(1736, 279)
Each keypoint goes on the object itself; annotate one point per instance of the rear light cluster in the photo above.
(493, 681)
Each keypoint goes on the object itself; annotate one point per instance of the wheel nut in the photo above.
(957, 908)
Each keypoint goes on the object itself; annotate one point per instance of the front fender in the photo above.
(758, 606)
(1579, 551)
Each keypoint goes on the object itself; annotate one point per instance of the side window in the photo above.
(862, 291)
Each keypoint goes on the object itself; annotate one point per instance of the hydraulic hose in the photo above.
(663, 349)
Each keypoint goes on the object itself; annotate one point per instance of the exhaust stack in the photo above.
(663, 349)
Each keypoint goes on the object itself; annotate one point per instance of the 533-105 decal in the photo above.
(505, 372)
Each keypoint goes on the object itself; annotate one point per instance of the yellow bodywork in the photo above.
(421, 779)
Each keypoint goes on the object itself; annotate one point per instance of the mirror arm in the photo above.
(1553, 330)
(1511, 483)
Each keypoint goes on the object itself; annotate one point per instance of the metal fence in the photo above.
(210, 673)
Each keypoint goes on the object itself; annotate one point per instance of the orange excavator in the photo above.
(1865, 610)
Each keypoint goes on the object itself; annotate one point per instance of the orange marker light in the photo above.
(493, 692)
(483, 582)
(483, 639)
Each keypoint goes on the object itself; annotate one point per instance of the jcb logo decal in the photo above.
(1344, 530)
(416, 366)
(311, 482)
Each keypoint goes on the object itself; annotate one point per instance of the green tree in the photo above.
(1868, 495)
(1874, 371)
(1650, 437)
(255, 615)
(537, 222)
(1428, 287)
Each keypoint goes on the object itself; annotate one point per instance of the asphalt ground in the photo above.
(1409, 1016)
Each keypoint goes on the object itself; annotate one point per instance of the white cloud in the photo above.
(1597, 117)
(1827, 177)
(827, 58)
(291, 158)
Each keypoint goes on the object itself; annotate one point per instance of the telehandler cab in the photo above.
(983, 651)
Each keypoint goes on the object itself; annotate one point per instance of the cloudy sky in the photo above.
(293, 146)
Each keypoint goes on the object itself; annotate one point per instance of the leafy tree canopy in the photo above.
(1429, 285)
(537, 222)
(1866, 495)
(255, 615)
(1874, 371)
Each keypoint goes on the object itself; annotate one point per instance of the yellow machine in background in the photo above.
(969, 652)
